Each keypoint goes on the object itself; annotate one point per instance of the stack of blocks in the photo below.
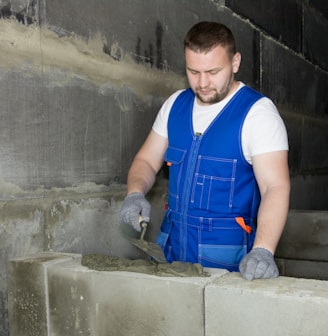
(52, 294)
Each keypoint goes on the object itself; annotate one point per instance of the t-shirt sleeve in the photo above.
(160, 123)
(264, 130)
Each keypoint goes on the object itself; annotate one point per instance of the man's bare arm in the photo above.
(272, 175)
(146, 164)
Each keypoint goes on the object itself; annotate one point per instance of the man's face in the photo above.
(211, 74)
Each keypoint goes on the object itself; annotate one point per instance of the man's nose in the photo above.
(203, 80)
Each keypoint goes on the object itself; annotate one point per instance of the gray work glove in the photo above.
(133, 206)
(258, 264)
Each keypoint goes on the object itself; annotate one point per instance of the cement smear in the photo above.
(41, 50)
(101, 262)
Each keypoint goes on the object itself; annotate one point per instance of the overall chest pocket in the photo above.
(213, 184)
(174, 158)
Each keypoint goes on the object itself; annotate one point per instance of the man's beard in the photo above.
(218, 96)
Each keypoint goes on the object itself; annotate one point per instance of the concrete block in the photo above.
(281, 306)
(86, 226)
(88, 302)
(315, 31)
(282, 19)
(305, 269)
(248, 44)
(309, 192)
(321, 6)
(89, 223)
(28, 294)
(283, 76)
(52, 294)
(315, 135)
(294, 125)
(305, 236)
(21, 233)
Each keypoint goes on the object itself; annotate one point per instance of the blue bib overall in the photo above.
(213, 196)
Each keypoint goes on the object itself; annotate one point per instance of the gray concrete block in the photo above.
(90, 224)
(315, 136)
(86, 226)
(283, 76)
(294, 126)
(315, 32)
(21, 233)
(305, 269)
(281, 19)
(83, 301)
(28, 293)
(308, 155)
(321, 6)
(305, 236)
(53, 294)
(309, 192)
(281, 306)
(248, 44)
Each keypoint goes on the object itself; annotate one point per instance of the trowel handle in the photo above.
(143, 225)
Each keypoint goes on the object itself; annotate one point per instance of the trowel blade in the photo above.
(152, 249)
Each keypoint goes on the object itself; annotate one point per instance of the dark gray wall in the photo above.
(61, 128)
(293, 71)
(81, 82)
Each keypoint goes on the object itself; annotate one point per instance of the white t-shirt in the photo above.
(263, 130)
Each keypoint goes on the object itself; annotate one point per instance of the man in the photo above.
(226, 147)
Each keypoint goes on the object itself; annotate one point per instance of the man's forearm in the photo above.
(141, 177)
(272, 217)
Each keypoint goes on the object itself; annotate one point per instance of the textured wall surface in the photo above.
(81, 83)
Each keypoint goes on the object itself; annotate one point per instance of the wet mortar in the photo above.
(101, 262)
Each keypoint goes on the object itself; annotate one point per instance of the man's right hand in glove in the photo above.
(134, 205)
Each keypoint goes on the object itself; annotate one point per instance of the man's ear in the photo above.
(236, 62)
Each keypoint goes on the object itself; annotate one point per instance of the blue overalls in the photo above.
(213, 196)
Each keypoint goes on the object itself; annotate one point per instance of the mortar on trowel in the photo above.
(152, 249)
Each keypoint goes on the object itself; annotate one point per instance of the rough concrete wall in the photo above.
(80, 94)
(71, 112)
(75, 109)
(81, 83)
(294, 73)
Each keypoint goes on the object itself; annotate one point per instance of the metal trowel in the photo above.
(152, 249)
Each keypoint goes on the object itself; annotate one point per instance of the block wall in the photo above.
(52, 294)
(80, 85)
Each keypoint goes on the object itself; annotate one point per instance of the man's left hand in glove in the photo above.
(258, 264)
